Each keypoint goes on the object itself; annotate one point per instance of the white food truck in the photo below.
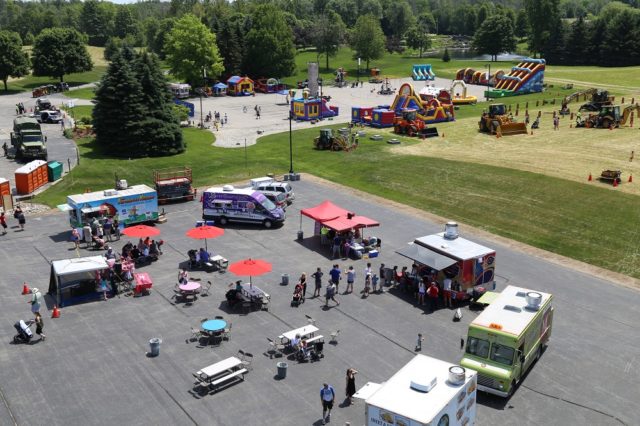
(425, 392)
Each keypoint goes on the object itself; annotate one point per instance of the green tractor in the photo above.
(327, 140)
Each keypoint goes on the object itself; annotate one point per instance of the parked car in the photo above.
(277, 198)
(282, 187)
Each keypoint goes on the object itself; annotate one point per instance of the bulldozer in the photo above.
(327, 140)
(497, 122)
(409, 124)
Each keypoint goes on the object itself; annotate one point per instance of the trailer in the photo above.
(174, 184)
(425, 392)
(131, 205)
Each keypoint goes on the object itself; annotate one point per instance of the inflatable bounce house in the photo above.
(240, 86)
(309, 109)
(379, 117)
(422, 73)
(269, 85)
(481, 78)
(460, 97)
(431, 107)
(526, 77)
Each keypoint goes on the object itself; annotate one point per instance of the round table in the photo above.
(190, 286)
(214, 325)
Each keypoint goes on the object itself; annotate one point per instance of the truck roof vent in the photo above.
(512, 308)
(424, 384)
(110, 192)
(533, 299)
(451, 231)
(457, 375)
(122, 184)
(227, 188)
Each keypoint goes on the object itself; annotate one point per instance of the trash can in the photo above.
(282, 370)
(54, 171)
(154, 346)
(300, 235)
(285, 279)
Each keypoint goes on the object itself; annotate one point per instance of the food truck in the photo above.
(425, 392)
(469, 265)
(229, 204)
(134, 204)
(507, 337)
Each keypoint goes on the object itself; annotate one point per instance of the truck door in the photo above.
(521, 361)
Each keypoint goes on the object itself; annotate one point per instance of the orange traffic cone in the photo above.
(25, 289)
(630, 178)
(615, 183)
(590, 178)
(56, 312)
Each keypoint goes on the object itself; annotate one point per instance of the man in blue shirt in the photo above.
(327, 395)
(336, 275)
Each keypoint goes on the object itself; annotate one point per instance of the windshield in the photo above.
(32, 138)
(264, 201)
(502, 354)
(478, 347)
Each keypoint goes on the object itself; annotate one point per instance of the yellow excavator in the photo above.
(627, 112)
(497, 122)
(599, 98)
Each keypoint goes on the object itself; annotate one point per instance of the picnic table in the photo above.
(306, 331)
(221, 372)
(256, 296)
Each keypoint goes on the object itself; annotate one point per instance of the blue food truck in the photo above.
(228, 204)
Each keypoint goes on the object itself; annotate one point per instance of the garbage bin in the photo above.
(300, 235)
(285, 279)
(282, 370)
(154, 346)
(54, 171)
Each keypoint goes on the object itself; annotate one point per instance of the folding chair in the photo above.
(226, 334)
(310, 320)
(205, 289)
(195, 334)
(240, 355)
(274, 348)
(334, 336)
(247, 360)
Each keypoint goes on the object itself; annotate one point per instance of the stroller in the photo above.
(297, 296)
(24, 332)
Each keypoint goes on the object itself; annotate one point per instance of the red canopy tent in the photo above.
(324, 211)
(345, 223)
(335, 217)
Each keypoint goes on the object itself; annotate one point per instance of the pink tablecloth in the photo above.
(143, 282)
(191, 286)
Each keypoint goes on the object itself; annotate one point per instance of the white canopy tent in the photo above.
(74, 280)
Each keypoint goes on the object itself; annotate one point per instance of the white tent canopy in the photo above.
(77, 265)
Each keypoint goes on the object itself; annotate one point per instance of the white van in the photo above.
(228, 204)
(282, 187)
(256, 182)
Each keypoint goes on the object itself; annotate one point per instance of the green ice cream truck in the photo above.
(506, 339)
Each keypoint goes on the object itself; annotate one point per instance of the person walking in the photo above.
(336, 275)
(318, 279)
(19, 214)
(303, 283)
(40, 326)
(351, 277)
(331, 294)
(419, 342)
(3, 223)
(327, 395)
(75, 237)
(351, 384)
(36, 300)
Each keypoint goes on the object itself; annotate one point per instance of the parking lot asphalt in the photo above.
(93, 368)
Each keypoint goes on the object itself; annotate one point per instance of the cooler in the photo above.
(31, 176)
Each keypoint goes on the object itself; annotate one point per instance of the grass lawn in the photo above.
(566, 217)
(84, 93)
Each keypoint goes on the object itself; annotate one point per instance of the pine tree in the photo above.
(446, 57)
(576, 41)
(120, 108)
(160, 131)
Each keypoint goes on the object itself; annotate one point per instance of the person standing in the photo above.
(318, 278)
(422, 290)
(107, 228)
(446, 292)
(3, 223)
(331, 294)
(19, 214)
(336, 247)
(303, 283)
(327, 395)
(367, 285)
(351, 384)
(419, 342)
(40, 326)
(351, 277)
(75, 237)
(432, 292)
(36, 300)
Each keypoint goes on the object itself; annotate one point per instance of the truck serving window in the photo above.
(478, 347)
(502, 354)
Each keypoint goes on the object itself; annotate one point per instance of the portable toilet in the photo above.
(5, 190)
(54, 171)
(31, 176)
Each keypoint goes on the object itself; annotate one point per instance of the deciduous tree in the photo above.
(60, 51)
(328, 34)
(495, 36)
(367, 39)
(13, 61)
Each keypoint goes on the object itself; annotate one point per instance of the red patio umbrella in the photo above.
(141, 231)
(250, 268)
(204, 232)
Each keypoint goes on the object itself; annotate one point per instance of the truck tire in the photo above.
(512, 389)
(267, 223)
(223, 220)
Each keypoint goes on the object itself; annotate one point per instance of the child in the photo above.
(419, 342)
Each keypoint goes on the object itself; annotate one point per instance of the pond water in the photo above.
(470, 54)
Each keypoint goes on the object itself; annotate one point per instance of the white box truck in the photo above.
(425, 392)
